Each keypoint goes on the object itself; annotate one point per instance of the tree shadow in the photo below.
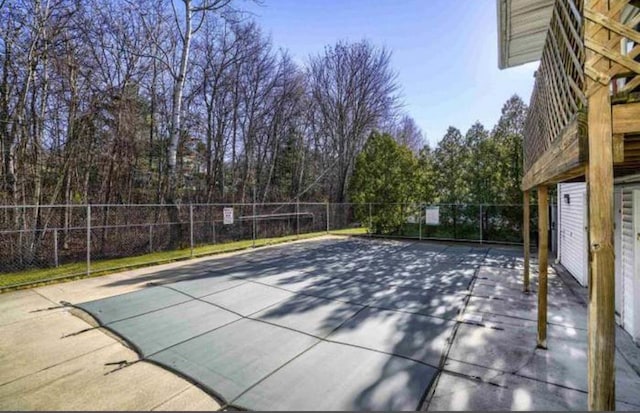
(404, 301)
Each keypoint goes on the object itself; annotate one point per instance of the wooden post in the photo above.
(526, 238)
(601, 324)
(543, 258)
(601, 328)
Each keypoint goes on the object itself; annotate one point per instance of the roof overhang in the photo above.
(522, 30)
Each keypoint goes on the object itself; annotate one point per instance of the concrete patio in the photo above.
(482, 326)
(500, 368)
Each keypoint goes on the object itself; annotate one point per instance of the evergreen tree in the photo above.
(508, 136)
(450, 176)
(477, 163)
(384, 175)
(426, 176)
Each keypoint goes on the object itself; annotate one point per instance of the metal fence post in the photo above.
(420, 223)
(191, 227)
(297, 218)
(213, 225)
(328, 228)
(55, 246)
(370, 221)
(151, 238)
(481, 224)
(88, 239)
(254, 225)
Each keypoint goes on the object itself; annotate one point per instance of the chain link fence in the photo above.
(482, 223)
(82, 239)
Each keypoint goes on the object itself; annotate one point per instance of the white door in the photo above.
(573, 234)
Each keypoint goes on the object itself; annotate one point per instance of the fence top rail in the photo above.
(232, 204)
(160, 205)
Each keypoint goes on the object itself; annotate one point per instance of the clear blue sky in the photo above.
(444, 51)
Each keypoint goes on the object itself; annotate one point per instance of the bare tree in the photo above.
(169, 101)
(407, 132)
(216, 53)
(353, 90)
(187, 22)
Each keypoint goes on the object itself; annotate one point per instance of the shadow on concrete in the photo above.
(382, 321)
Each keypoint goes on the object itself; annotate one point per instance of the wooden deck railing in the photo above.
(558, 95)
(575, 63)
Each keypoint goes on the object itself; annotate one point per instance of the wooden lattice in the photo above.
(558, 95)
(621, 62)
(576, 62)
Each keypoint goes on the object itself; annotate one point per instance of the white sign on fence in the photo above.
(432, 216)
(228, 216)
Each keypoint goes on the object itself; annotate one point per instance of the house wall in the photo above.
(572, 240)
(627, 259)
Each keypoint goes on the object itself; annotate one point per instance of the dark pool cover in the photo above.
(349, 325)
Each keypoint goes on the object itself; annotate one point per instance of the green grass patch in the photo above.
(350, 231)
(66, 272)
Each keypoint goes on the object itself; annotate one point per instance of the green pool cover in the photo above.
(339, 325)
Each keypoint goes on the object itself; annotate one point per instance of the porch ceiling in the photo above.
(522, 30)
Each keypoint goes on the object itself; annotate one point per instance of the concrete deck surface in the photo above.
(500, 368)
(456, 307)
(275, 333)
(50, 362)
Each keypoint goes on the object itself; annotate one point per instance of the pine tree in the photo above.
(384, 175)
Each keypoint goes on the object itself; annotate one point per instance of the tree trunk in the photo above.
(172, 196)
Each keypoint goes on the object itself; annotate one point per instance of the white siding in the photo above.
(634, 302)
(572, 234)
(573, 246)
(630, 260)
(627, 259)
(617, 248)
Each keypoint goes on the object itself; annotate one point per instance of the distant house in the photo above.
(583, 124)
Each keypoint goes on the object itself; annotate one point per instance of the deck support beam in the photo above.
(543, 262)
(625, 118)
(526, 238)
(601, 326)
(599, 176)
(564, 159)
